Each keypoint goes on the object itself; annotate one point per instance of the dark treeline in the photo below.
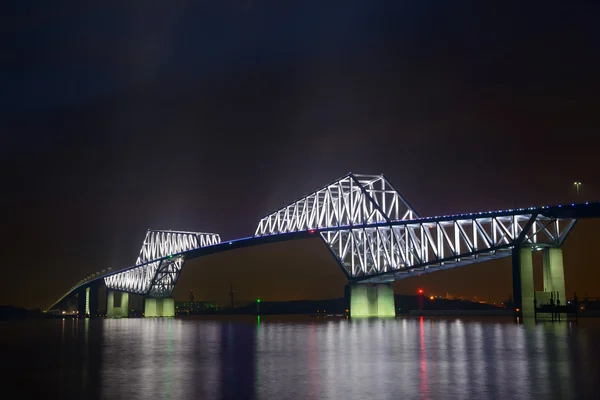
(11, 312)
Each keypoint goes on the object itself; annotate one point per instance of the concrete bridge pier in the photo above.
(82, 301)
(159, 307)
(554, 273)
(371, 300)
(523, 288)
(117, 306)
(554, 280)
(87, 301)
(522, 271)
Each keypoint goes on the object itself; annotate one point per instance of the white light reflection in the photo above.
(475, 337)
(443, 357)
(556, 339)
(423, 361)
(332, 359)
(519, 370)
(159, 357)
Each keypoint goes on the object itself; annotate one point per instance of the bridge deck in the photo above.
(421, 249)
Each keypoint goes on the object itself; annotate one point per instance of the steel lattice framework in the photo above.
(401, 249)
(375, 235)
(156, 275)
(351, 200)
(370, 229)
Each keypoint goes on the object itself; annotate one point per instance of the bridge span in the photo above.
(375, 236)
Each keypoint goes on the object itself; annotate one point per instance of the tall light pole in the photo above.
(577, 185)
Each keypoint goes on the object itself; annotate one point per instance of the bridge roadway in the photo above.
(571, 211)
(568, 212)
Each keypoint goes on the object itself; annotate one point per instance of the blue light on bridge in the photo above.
(338, 234)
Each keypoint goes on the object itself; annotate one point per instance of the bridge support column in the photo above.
(150, 307)
(372, 300)
(124, 305)
(554, 275)
(87, 295)
(522, 268)
(81, 301)
(159, 307)
(87, 301)
(110, 304)
(93, 300)
(122, 311)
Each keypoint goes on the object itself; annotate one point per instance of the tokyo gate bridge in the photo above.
(375, 236)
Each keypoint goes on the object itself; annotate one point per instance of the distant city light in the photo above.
(577, 185)
(420, 291)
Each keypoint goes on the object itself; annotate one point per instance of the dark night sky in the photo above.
(206, 115)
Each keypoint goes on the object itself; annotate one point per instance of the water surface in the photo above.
(300, 358)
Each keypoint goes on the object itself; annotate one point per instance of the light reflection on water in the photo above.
(300, 358)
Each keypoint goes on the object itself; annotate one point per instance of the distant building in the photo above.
(195, 306)
(192, 296)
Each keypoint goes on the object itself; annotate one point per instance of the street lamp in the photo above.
(577, 185)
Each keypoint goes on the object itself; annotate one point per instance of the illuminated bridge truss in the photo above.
(402, 249)
(371, 230)
(158, 278)
(375, 235)
(351, 200)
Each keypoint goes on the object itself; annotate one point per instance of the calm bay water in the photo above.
(300, 358)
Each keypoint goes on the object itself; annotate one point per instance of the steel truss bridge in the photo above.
(370, 229)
